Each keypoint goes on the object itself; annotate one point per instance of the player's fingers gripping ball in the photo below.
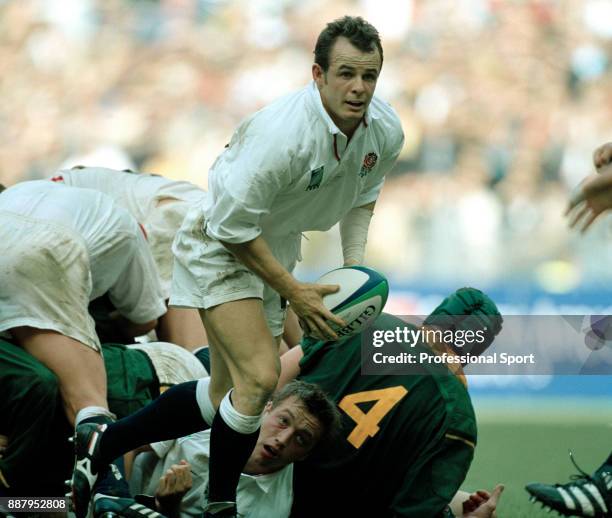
(468, 309)
(361, 298)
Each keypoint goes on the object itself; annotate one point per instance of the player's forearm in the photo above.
(131, 329)
(354, 234)
(257, 257)
(290, 366)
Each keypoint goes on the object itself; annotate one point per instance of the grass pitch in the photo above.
(522, 441)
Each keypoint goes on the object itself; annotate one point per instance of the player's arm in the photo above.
(173, 485)
(290, 365)
(292, 332)
(480, 504)
(593, 195)
(129, 329)
(428, 490)
(355, 225)
(590, 199)
(354, 233)
(305, 299)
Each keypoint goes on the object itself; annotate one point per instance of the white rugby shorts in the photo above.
(207, 274)
(45, 279)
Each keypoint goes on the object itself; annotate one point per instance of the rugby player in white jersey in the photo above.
(64, 247)
(159, 205)
(306, 162)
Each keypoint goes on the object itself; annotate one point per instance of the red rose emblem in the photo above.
(369, 161)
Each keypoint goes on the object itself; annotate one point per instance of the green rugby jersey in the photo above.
(34, 421)
(407, 441)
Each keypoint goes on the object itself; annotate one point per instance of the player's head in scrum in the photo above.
(348, 57)
(467, 321)
(297, 419)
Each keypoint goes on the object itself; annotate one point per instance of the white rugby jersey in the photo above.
(106, 229)
(141, 195)
(258, 496)
(289, 169)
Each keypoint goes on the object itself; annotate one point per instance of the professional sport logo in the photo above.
(369, 161)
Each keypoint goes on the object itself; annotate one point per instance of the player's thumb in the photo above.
(326, 289)
(495, 495)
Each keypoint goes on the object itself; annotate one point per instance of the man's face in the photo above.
(288, 434)
(348, 85)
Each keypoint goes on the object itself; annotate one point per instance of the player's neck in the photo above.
(348, 127)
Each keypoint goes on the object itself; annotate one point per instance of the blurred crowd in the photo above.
(502, 103)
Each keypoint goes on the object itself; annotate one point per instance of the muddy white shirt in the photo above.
(139, 193)
(289, 169)
(258, 496)
(157, 203)
(119, 259)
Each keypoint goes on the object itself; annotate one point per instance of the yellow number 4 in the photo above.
(367, 424)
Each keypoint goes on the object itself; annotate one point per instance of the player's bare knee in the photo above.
(259, 385)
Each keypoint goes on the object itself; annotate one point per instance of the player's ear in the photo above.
(318, 74)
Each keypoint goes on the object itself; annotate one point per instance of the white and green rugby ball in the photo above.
(361, 298)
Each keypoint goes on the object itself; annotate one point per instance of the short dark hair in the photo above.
(316, 402)
(360, 33)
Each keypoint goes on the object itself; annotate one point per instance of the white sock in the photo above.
(237, 421)
(91, 411)
(204, 402)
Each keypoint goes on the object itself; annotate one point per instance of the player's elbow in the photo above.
(139, 329)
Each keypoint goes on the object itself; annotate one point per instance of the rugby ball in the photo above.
(361, 298)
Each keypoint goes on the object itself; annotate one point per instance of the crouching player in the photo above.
(159, 205)
(407, 440)
(297, 421)
(64, 247)
(419, 430)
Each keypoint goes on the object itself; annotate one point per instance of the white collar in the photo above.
(317, 103)
(265, 482)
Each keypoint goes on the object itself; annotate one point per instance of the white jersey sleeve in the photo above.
(389, 129)
(243, 184)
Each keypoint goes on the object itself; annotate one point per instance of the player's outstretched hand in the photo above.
(590, 199)
(173, 485)
(482, 504)
(602, 157)
(307, 303)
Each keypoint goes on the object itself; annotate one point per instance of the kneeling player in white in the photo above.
(159, 205)
(296, 420)
(63, 247)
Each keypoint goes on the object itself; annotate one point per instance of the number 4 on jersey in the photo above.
(367, 423)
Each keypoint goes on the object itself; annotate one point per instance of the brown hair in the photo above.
(360, 33)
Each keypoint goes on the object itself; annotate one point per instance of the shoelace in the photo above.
(583, 474)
